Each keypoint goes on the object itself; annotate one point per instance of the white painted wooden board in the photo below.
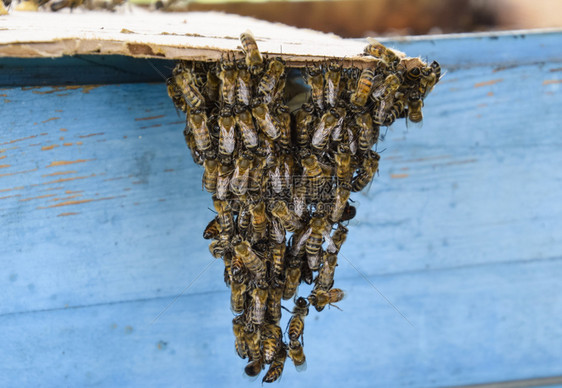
(102, 216)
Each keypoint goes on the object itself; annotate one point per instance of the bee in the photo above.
(238, 270)
(212, 230)
(254, 367)
(312, 171)
(259, 304)
(243, 220)
(274, 302)
(366, 172)
(412, 75)
(387, 87)
(320, 298)
(283, 121)
(338, 238)
(325, 278)
(251, 260)
(228, 76)
(175, 94)
(364, 85)
(367, 133)
(415, 104)
(431, 76)
(198, 156)
(340, 202)
(224, 216)
(252, 337)
(212, 86)
(318, 230)
(256, 174)
(223, 180)
(299, 199)
(259, 217)
(216, 249)
(276, 368)
(271, 339)
(210, 175)
(296, 354)
(58, 5)
(303, 118)
(278, 257)
(239, 180)
(270, 82)
(292, 280)
(332, 84)
(243, 85)
(227, 259)
(343, 166)
(227, 140)
(327, 123)
(247, 128)
(288, 219)
(378, 50)
(315, 79)
(239, 337)
(349, 213)
(396, 111)
(254, 60)
(296, 323)
(190, 92)
(276, 231)
(237, 297)
(197, 124)
(264, 120)
(311, 263)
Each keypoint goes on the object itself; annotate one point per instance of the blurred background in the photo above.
(359, 18)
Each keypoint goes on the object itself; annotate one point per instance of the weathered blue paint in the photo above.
(462, 232)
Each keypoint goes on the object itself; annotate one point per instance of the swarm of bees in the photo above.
(276, 171)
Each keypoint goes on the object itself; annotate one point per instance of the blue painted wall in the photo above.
(102, 213)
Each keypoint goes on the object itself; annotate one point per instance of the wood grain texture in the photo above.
(102, 214)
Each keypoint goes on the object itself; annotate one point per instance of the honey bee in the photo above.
(227, 138)
(276, 368)
(396, 111)
(210, 175)
(296, 354)
(247, 128)
(327, 123)
(299, 199)
(270, 81)
(343, 165)
(251, 261)
(292, 280)
(303, 118)
(237, 297)
(296, 323)
(332, 84)
(212, 86)
(252, 339)
(367, 133)
(412, 75)
(366, 172)
(216, 249)
(415, 104)
(227, 259)
(312, 171)
(340, 202)
(278, 256)
(243, 85)
(191, 94)
(254, 60)
(364, 85)
(224, 216)
(228, 76)
(256, 175)
(259, 217)
(349, 213)
(239, 336)
(274, 302)
(259, 304)
(338, 238)
(239, 180)
(320, 298)
(197, 124)
(315, 79)
(223, 180)
(311, 263)
(58, 5)
(212, 230)
(254, 367)
(198, 156)
(378, 50)
(238, 270)
(271, 339)
(276, 231)
(387, 87)
(175, 94)
(325, 278)
(264, 120)
(318, 231)
(430, 77)
(283, 121)
(243, 220)
(288, 219)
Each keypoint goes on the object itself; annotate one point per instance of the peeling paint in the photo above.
(80, 201)
(67, 214)
(47, 148)
(552, 81)
(90, 135)
(486, 83)
(21, 139)
(51, 119)
(65, 162)
(399, 176)
(18, 172)
(64, 180)
(149, 118)
(39, 197)
(60, 173)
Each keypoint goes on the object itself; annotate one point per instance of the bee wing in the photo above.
(332, 248)
(372, 41)
(228, 139)
(297, 246)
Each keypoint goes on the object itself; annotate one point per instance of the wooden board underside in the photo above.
(194, 36)
(102, 216)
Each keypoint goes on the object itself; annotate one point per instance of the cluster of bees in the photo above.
(275, 170)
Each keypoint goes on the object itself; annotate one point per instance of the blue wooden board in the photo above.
(102, 214)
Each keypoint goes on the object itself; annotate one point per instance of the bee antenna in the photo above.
(157, 70)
